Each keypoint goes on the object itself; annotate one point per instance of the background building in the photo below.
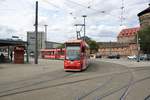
(31, 41)
(125, 45)
(128, 35)
(42, 43)
(144, 17)
(50, 44)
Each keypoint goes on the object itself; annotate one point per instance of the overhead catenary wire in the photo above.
(90, 3)
(52, 4)
(20, 3)
(85, 7)
(95, 11)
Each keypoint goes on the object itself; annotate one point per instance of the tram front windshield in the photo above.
(73, 52)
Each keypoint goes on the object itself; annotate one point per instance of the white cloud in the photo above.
(17, 17)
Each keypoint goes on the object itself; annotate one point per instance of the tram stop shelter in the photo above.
(8, 49)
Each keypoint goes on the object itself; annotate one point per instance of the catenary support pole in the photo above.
(36, 34)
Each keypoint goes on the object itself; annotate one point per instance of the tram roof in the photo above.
(74, 41)
(77, 41)
(53, 49)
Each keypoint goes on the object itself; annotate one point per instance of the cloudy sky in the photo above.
(103, 21)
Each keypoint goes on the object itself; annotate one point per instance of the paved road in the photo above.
(103, 80)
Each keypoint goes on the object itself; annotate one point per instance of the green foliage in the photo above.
(92, 44)
(61, 46)
(144, 35)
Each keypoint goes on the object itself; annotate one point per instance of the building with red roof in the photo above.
(125, 45)
(128, 35)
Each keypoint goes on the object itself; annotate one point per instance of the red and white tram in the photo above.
(76, 55)
(52, 53)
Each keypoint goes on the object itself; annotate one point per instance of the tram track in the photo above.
(117, 90)
(19, 90)
(14, 91)
(95, 89)
(33, 77)
(147, 98)
(36, 80)
(32, 82)
(132, 82)
(49, 74)
(126, 87)
(98, 88)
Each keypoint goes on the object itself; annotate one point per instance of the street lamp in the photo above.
(138, 48)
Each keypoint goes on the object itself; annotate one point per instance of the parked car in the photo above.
(98, 56)
(114, 56)
(92, 56)
(148, 57)
(141, 57)
(145, 57)
(118, 56)
(134, 57)
(31, 54)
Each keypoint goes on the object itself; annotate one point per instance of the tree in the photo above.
(92, 44)
(61, 46)
(144, 39)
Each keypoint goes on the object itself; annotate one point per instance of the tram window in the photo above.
(73, 53)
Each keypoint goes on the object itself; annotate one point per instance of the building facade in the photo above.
(42, 43)
(144, 17)
(128, 35)
(31, 41)
(50, 44)
(126, 44)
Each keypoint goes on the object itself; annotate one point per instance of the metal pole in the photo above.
(45, 32)
(41, 40)
(76, 30)
(36, 36)
(27, 52)
(77, 34)
(138, 48)
(8, 52)
(110, 49)
(84, 26)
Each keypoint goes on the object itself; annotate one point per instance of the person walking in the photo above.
(11, 56)
(2, 57)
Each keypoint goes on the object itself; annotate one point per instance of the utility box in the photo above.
(19, 55)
